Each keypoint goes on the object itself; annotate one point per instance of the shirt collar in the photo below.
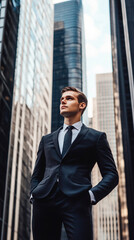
(76, 125)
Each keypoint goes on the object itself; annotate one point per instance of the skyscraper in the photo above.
(69, 53)
(31, 112)
(105, 213)
(122, 18)
(9, 18)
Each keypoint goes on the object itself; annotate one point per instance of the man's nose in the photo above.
(63, 101)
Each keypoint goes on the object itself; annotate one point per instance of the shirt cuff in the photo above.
(92, 197)
(31, 199)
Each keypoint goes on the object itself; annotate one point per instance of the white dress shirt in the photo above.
(75, 131)
(77, 127)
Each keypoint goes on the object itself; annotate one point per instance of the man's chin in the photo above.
(64, 114)
(67, 114)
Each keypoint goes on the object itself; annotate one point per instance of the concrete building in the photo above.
(105, 213)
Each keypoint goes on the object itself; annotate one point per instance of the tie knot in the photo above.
(70, 127)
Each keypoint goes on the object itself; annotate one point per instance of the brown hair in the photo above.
(81, 96)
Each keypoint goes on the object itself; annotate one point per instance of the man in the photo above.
(61, 182)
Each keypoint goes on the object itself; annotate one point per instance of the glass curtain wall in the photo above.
(31, 114)
(9, 18)
(69, 56)
(122, 19)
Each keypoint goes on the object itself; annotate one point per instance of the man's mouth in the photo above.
(63, 107)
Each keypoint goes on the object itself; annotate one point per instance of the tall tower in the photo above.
(122, 18)
(9, 19)
(69, 53)
(105, 213)
(31, 112)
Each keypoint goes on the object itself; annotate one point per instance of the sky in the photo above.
(97, 43)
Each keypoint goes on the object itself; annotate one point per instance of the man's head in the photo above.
(72, 101)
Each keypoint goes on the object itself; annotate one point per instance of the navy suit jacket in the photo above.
(74, 168)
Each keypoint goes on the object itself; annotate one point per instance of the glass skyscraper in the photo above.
(69, 53)
(9, 18)
(31, 112)
(122, 30)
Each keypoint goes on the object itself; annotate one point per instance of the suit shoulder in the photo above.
(46, 137)
(49, 135)
(95, 133)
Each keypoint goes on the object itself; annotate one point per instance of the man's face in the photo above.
(69, 105)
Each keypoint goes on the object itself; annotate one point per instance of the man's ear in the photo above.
(82, 105)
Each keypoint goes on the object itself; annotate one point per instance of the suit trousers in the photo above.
(57, 208)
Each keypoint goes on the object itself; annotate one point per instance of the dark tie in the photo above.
(67, 140)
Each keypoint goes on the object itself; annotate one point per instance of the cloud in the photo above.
(106, 45)
(92, 32)
(99, 69)
(91, 50)
(92, 6)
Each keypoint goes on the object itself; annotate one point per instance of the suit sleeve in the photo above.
(39, 168)
(107, 168)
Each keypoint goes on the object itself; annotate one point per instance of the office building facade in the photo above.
(69, 53)
(105, 213)
(9, 19)
(122, 18)
(31, 112)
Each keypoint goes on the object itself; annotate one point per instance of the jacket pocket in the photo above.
(81, 180)
(43, 180)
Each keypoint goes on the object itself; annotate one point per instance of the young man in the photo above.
(61, 182)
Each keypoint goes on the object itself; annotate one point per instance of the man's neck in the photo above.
(71, 121)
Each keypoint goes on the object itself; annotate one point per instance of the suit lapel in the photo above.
(55, 140)
(81, 134)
